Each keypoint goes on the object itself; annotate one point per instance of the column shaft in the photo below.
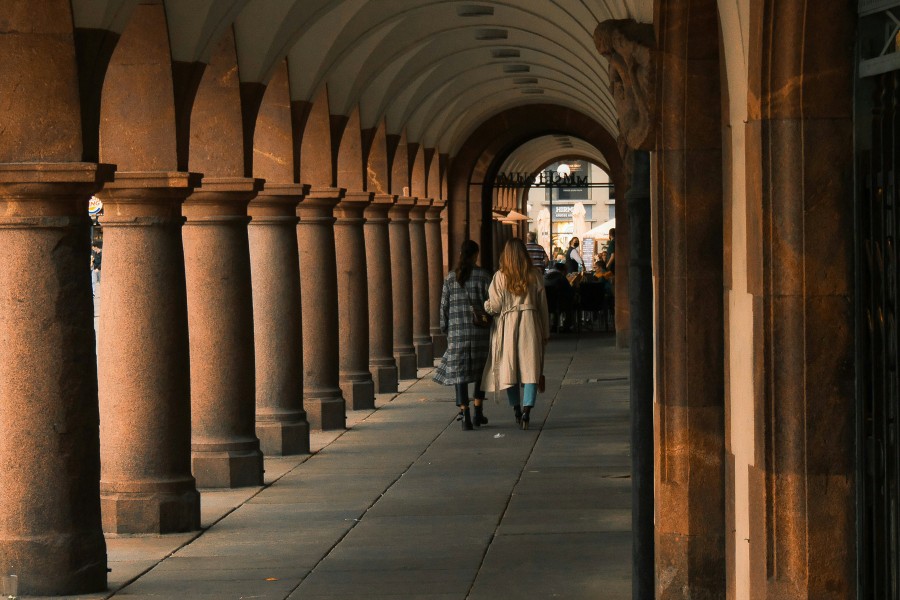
(143, 359)
(225, 449)
(420, 304)
(50, 533)
(401, 288)
(322, 395)
(353, 306)
(281, 424)
(435, 274)
(382, 364)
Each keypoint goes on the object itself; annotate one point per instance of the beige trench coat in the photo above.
(519, 333)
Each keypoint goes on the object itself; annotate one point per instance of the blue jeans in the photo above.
(512, 394)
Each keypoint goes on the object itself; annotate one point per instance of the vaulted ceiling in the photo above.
(435, 68)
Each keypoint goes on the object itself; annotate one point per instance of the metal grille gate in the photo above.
(878, 406)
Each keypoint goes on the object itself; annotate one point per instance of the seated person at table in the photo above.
(557, 285)
(600, 270)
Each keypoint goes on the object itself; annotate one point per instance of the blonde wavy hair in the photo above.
(516, 266)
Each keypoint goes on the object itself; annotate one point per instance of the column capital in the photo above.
(352, 205)
(37, 180)
(377, 211)
(420, 208)
(318, 205)
(400, 210)
(134, 196)
(222, 197)
(434, 211)
(277, 201)
(29, 191)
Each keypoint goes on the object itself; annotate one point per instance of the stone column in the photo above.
(402, 288)
(688, 276)
(322, 394)
(640, 296)
(146, 484)
(225, 449)
(382, 364)
(420, 303)
(353, 306)
(50, 533)
(281, 424)
(435, 274)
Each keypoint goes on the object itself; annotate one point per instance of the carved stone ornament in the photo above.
(628, 46)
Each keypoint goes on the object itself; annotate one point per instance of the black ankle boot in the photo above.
(518, 412)
(479, 419)
(526, 416)
(466, 418)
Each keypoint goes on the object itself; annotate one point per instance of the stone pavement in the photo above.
(404, 504)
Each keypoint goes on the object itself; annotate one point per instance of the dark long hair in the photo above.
(468, 253)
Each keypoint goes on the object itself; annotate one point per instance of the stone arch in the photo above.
(378, 172)
(444, 166)
(137, 109)
(799, 180)
(216, 119)
(41, 121)
(433, 167)
(273, 145)
(483, 153)
(351, 159)
(400, 172)
(417, 174)
(317, 153)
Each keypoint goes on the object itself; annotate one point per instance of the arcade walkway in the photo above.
(404, 504)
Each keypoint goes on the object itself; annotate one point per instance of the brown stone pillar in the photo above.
(402, 287)
(420, 303)
(435, 274)
(382, 364)
(225, 449)
(50, 534)
(281, 424)
(687, 221)
(145, 396)
(322, 394)
(353, 306)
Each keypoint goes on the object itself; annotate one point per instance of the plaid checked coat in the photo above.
(467, 345)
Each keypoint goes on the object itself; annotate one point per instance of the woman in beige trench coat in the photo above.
(520, 330)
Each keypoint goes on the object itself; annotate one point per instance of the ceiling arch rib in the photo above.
(493, 90)
(516, 78)
(539, 152)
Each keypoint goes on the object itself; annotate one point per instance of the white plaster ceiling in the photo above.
(437, 68)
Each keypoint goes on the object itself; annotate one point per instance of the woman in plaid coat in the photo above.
(467, 345)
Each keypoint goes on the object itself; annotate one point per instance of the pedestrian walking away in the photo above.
(467, 344)
(520, 330)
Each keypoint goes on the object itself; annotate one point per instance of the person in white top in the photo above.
(574, 262)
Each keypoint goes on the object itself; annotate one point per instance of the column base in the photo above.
(385, 378)
(424, 354)
(227, 468)
(407, 365)
(359, 394)
(439, 342)
(283, 438)
(171, 507)
(325, 413)
(57, 565)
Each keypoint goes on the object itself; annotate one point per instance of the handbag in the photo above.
(480, 317)
(542, 384)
